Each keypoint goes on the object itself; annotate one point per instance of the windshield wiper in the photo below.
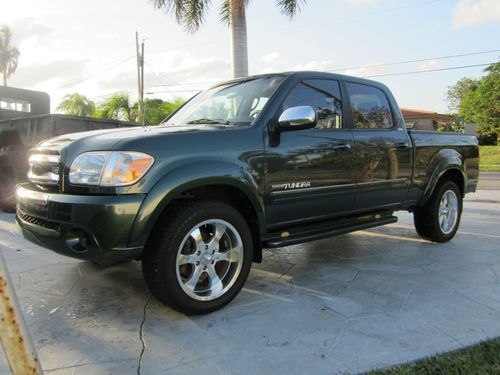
(208, 121)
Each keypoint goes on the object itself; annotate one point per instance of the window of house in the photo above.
(322, 95)
(370, 107)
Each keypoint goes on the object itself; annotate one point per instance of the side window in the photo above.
(322, 95)
(370, 108)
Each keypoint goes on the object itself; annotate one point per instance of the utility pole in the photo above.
(140, 77)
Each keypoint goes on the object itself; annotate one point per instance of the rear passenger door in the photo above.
(382, 150)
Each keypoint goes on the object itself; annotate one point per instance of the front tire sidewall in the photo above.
(166, 286)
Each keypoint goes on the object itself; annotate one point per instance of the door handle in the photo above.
(401, 146)
(341, 146)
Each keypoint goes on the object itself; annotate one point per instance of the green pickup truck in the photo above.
(260, 162)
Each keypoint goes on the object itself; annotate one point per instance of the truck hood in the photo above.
(108, 139)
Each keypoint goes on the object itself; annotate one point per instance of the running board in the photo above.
(317, 232)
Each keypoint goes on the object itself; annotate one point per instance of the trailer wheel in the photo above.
(7, 189)
(199, 256)
(439, 219)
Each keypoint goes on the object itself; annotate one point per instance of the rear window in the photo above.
(370, 107)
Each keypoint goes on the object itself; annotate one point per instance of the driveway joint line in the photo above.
(141, 335)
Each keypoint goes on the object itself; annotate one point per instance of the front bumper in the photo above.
(94, 228)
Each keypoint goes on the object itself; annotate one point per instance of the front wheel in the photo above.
(199, 256)
(439, 219)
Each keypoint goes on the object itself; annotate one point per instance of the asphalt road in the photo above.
(351, 303)
(489, 181)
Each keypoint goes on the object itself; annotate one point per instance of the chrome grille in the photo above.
(44, 169)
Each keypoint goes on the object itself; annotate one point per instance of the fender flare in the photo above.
(187, 177)
(444, 161)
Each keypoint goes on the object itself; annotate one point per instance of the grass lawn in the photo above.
(483, 358)
(490, 158)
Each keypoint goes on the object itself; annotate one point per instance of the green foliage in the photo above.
(487, 135)
(156, 110)
(457, 125)
(117, 107)
(77, 105)
(481, 104)
(9, 55)
(191, 13)
(456, 92)
(483, 358)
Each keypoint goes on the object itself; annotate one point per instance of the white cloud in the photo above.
(271, 58)
(323, 66)
(470, 13)
(40, 74)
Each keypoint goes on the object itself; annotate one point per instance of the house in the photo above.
(424, 120)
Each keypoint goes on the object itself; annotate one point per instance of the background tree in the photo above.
(9, 55)
(457, 91)
(191, 14)
(77, 105)
(478, 101)
(157, 110)
(481, 104)
(117, 107)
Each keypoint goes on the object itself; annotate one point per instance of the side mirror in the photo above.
(303, 117)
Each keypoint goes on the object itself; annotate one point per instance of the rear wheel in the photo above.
(439, 219)
(199, 257)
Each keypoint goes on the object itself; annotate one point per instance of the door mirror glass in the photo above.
(302, 117)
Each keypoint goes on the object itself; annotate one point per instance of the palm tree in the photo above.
(77, 105)
(9, 55)
(117, 107)
(191, 14)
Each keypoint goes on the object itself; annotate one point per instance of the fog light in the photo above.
(77, 240)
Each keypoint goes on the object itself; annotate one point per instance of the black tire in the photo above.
(159, 266)
(7, 189)
(426, 218)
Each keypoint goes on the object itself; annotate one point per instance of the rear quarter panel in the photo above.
(437, 152)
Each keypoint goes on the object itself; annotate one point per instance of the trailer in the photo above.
(19, 135)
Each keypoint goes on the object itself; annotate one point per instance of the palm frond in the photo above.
(189, 13)
(290, 7)
(172, 6)
(225, 10)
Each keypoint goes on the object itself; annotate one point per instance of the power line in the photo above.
(428, 70)
(421, 60)
(95, 75)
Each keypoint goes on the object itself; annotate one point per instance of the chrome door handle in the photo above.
(401, 146)
(341, 146)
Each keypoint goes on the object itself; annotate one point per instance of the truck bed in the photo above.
(428, 144)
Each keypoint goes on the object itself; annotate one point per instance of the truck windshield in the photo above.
(235, 103)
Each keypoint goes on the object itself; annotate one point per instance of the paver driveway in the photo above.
(348, 304)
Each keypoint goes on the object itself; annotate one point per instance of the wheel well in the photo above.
(233, 197)
(456, 176)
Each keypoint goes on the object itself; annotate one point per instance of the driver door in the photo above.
(309, 172)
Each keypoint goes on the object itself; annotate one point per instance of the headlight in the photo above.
(105, 168)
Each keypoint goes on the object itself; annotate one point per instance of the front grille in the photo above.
(37, 221)
(43, 169)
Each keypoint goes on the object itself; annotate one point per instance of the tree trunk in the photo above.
(4, 73)
(239, 49)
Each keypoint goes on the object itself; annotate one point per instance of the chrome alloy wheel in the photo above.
(448, 211)
(209, 259)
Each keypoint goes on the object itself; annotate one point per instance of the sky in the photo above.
(88, 46)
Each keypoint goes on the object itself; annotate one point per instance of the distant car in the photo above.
(264, 161)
